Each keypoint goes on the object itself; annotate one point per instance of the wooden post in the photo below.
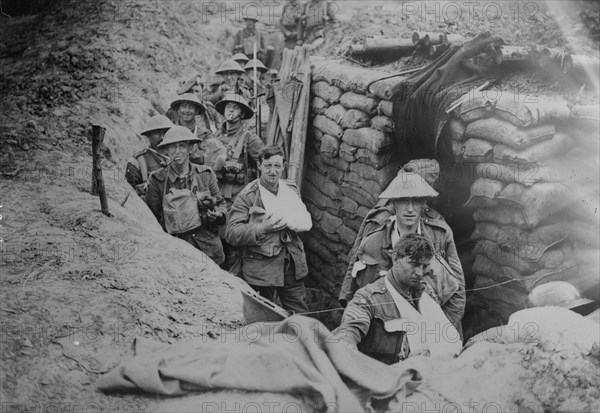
(97, 179)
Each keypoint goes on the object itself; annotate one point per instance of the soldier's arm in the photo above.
(220, 204)
(255, 146)
(455, 306)
(356, 320)
(154, 198)
(239, 231)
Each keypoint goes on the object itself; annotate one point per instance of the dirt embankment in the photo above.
(77, 286)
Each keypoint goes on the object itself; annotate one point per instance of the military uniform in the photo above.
(364, 319)
(201, 180)
(288, 23)
(374, 259)
(232, 178)
(315, 14)
(275, 260)
(244, 43)
(140, 167)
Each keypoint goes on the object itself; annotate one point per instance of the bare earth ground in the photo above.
(77, 287)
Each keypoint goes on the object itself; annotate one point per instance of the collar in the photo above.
(173, 175)
(415, 293)
(230, 132)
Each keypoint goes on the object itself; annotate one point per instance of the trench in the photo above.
(513, 231)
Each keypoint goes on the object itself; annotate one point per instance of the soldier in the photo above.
(240, 58)
(191, 114)
(185, 198)
(264, 222)
(396, 317)
(315, 14)
(262, 91)
(238, 166)
(150, 159)
(196, 86)
(288, 23)
(245, 38)
(408, 214)
(232, 74)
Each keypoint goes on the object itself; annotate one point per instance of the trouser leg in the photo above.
(293, 292)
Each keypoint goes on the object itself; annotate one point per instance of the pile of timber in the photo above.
(533, 177)
(351, 157)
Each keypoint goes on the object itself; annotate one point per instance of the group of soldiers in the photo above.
(209, 179)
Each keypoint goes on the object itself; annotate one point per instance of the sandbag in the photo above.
(457, 149)
(554, 257)
(483, 192)
(314, 138)
(504, 257)
(383, 124)
(530, 244)
(585, 234)
(323, 184)
(318, 105)
(347, 235)
(330, 223)
(327, 126)
(500, 131)
(474, 109)
(527, 174)
(335, 113)
(330, 146)
(385, 108)
(523, 114)
(327, 92)
(352, 154)
(477, 150)
(381, 177)
(334, 165)
(540, 152)
(537, 202)
(587, 116)
(312, 195)
(359, 194)
(456, 130)
(352, 100)
(502, 215)
(354, 119)
(368, 138)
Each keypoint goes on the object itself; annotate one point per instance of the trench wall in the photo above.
(350, 158)
(528, 172)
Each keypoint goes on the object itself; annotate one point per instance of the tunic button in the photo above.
(363, 301)
(383, 289)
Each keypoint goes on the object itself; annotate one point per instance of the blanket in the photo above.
(296, 356)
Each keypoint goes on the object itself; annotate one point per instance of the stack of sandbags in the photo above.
(533, 175)
(350, 157)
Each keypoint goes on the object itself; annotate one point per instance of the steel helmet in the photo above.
(558, 294)
(259, 66)
(408, 185)
(253, 18)
(157, 122)
(178, 134)
(229, 66)
(247, 111)
(240, 58)
(190, 98)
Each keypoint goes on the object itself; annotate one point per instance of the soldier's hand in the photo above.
(141, 189)
(214, 215)
(273, 222)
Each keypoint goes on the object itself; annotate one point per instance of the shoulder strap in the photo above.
(143, 167)
(239, 146)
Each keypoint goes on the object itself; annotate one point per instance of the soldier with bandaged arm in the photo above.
(408, 213)
(397, 316)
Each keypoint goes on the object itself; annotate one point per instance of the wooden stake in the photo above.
(97, 179)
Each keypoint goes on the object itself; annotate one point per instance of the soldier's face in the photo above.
(250, 24)
(179, 152)
(187, 111)
(198, 91)
(408, 272)
(230, 78)
(232, 112)
(155, 137)
(271, 169)
(408, 210)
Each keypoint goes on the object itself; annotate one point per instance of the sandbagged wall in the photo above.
(533, 180)
(351, 157)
